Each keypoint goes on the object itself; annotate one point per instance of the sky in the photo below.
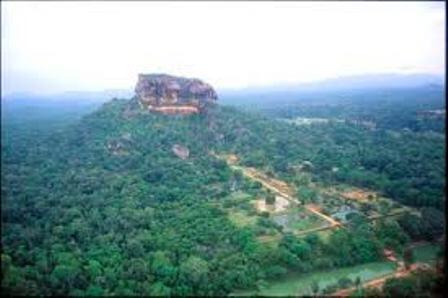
(50, 47)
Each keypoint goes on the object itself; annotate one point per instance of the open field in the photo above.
(393, 213)
(271, 240)
(236, 198)
(280, 205)
(426, 253)
(241, 219)
(299, 219)
(324, 235)
(300, 284)
(359, 195)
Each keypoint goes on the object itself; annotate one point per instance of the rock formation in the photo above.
(173, 95)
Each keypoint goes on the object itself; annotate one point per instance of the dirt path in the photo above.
(310, 207)
(393, 213)
(253, 176)
(314, 210)
(274, 185)
(318, 229)
(258, 176)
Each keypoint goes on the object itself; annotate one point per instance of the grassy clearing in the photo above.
(325, 235)
(235, 199)
(299, 219)
(241, 219)
(310, 222)
(270, 240)
(280, 205)
(239, 196)
(358, 194)
(295, 284)
(426, 253)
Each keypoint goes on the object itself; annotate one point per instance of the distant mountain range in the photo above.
(369, 81)
(352, 83)
(335, 86)
(377, 81)
(68, 96)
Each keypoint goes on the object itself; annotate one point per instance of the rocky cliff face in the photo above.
(173, 95)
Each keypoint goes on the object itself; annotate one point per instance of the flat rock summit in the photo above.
(173, 95)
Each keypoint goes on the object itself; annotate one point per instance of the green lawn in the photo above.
(324, 235)
(310, 222)
(426, 253)
(299, 219)
(241, 219)
(299, 284)
(239, 196)
(235, 199)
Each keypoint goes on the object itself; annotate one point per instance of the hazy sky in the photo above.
(52, 47)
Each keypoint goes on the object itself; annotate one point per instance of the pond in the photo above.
(300, 283)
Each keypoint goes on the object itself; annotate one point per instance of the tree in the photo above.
(314, 287)
(391, 234)
(275, 271)
(64, 276)
(159, 289)
(408, 257)
(261, 284)
(412, 224)
(433, 222)
(195, 272)
(94, 269)
(358, 282)
(161, 266)
(307, 194)
(395, 287)
(344, 282)
(370, 292)
(270, 199)
(95, 291)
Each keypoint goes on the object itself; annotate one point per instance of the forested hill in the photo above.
(105, 206)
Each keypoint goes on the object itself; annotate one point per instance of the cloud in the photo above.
(91, 46)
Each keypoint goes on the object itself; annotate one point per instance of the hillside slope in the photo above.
(105, 206)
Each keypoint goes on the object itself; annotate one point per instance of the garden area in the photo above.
(299, 219)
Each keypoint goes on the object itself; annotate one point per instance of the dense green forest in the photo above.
(102, 206)
(396, 109)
